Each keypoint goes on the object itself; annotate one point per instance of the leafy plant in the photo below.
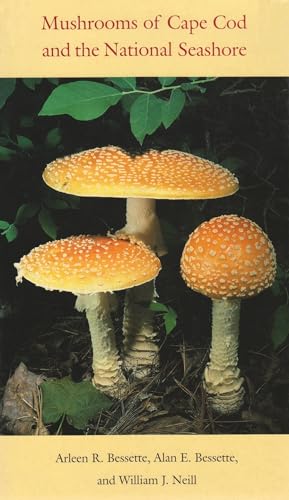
(77, 402)
(43, 210)
(86, 100)
(149, 107)
(7, 87)
(81, 100)
(15, 143)
(8, 230)
(168, 313)
(23, 214)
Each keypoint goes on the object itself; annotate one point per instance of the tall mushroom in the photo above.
(171, 175)
(91, 267)
(227, 258)
(142, 179)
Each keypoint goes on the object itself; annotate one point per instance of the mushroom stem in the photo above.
(106, 363)
(143, 223)
(141, 354)
(140, 351)
(222, 379)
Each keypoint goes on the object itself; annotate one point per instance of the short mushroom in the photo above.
(91, 267)
(227, 258)
(111, 172)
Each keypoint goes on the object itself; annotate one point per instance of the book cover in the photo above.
(144, 250)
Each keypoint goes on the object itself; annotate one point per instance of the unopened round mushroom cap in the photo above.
(227, 257)
(110, 172)
(89, 264)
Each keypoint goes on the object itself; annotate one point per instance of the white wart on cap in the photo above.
(111, 172)
(228, 257)
(89, 264)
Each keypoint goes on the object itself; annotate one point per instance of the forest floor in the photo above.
(172, 401)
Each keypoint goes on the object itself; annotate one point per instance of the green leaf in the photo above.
(168, 313)
(24, 143)
(127, 101)
(198, 79)
(26, 121)
(280, 330)
(26, 212)
(53, 138)
(158, 307)
(82, 100)
(11, 233)
(31, 83)
(6, 153)
(47, 223)
(128, 83)
(167, 80)
(53, 81)
(193, 86)
(57, 204)
(62, 202)
(73, 201)
(4, 224)
(172, 108)
(145, 116)
(79, 402)
(197, 84)
(7, 87)
(170, 319)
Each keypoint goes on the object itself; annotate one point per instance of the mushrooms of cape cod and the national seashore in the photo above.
(142, 179)
(227, 258)
(91, 267)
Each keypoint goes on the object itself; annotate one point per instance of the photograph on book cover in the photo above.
(138, 206)
(135, 216)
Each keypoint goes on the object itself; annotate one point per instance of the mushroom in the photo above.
(142, 179)
(91, 267)
(227, 258)
(172, 175)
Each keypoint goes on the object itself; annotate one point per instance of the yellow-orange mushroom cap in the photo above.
(89, 264)
(228, 257)
(111, 172)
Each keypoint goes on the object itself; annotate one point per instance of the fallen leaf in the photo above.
(21, 410)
